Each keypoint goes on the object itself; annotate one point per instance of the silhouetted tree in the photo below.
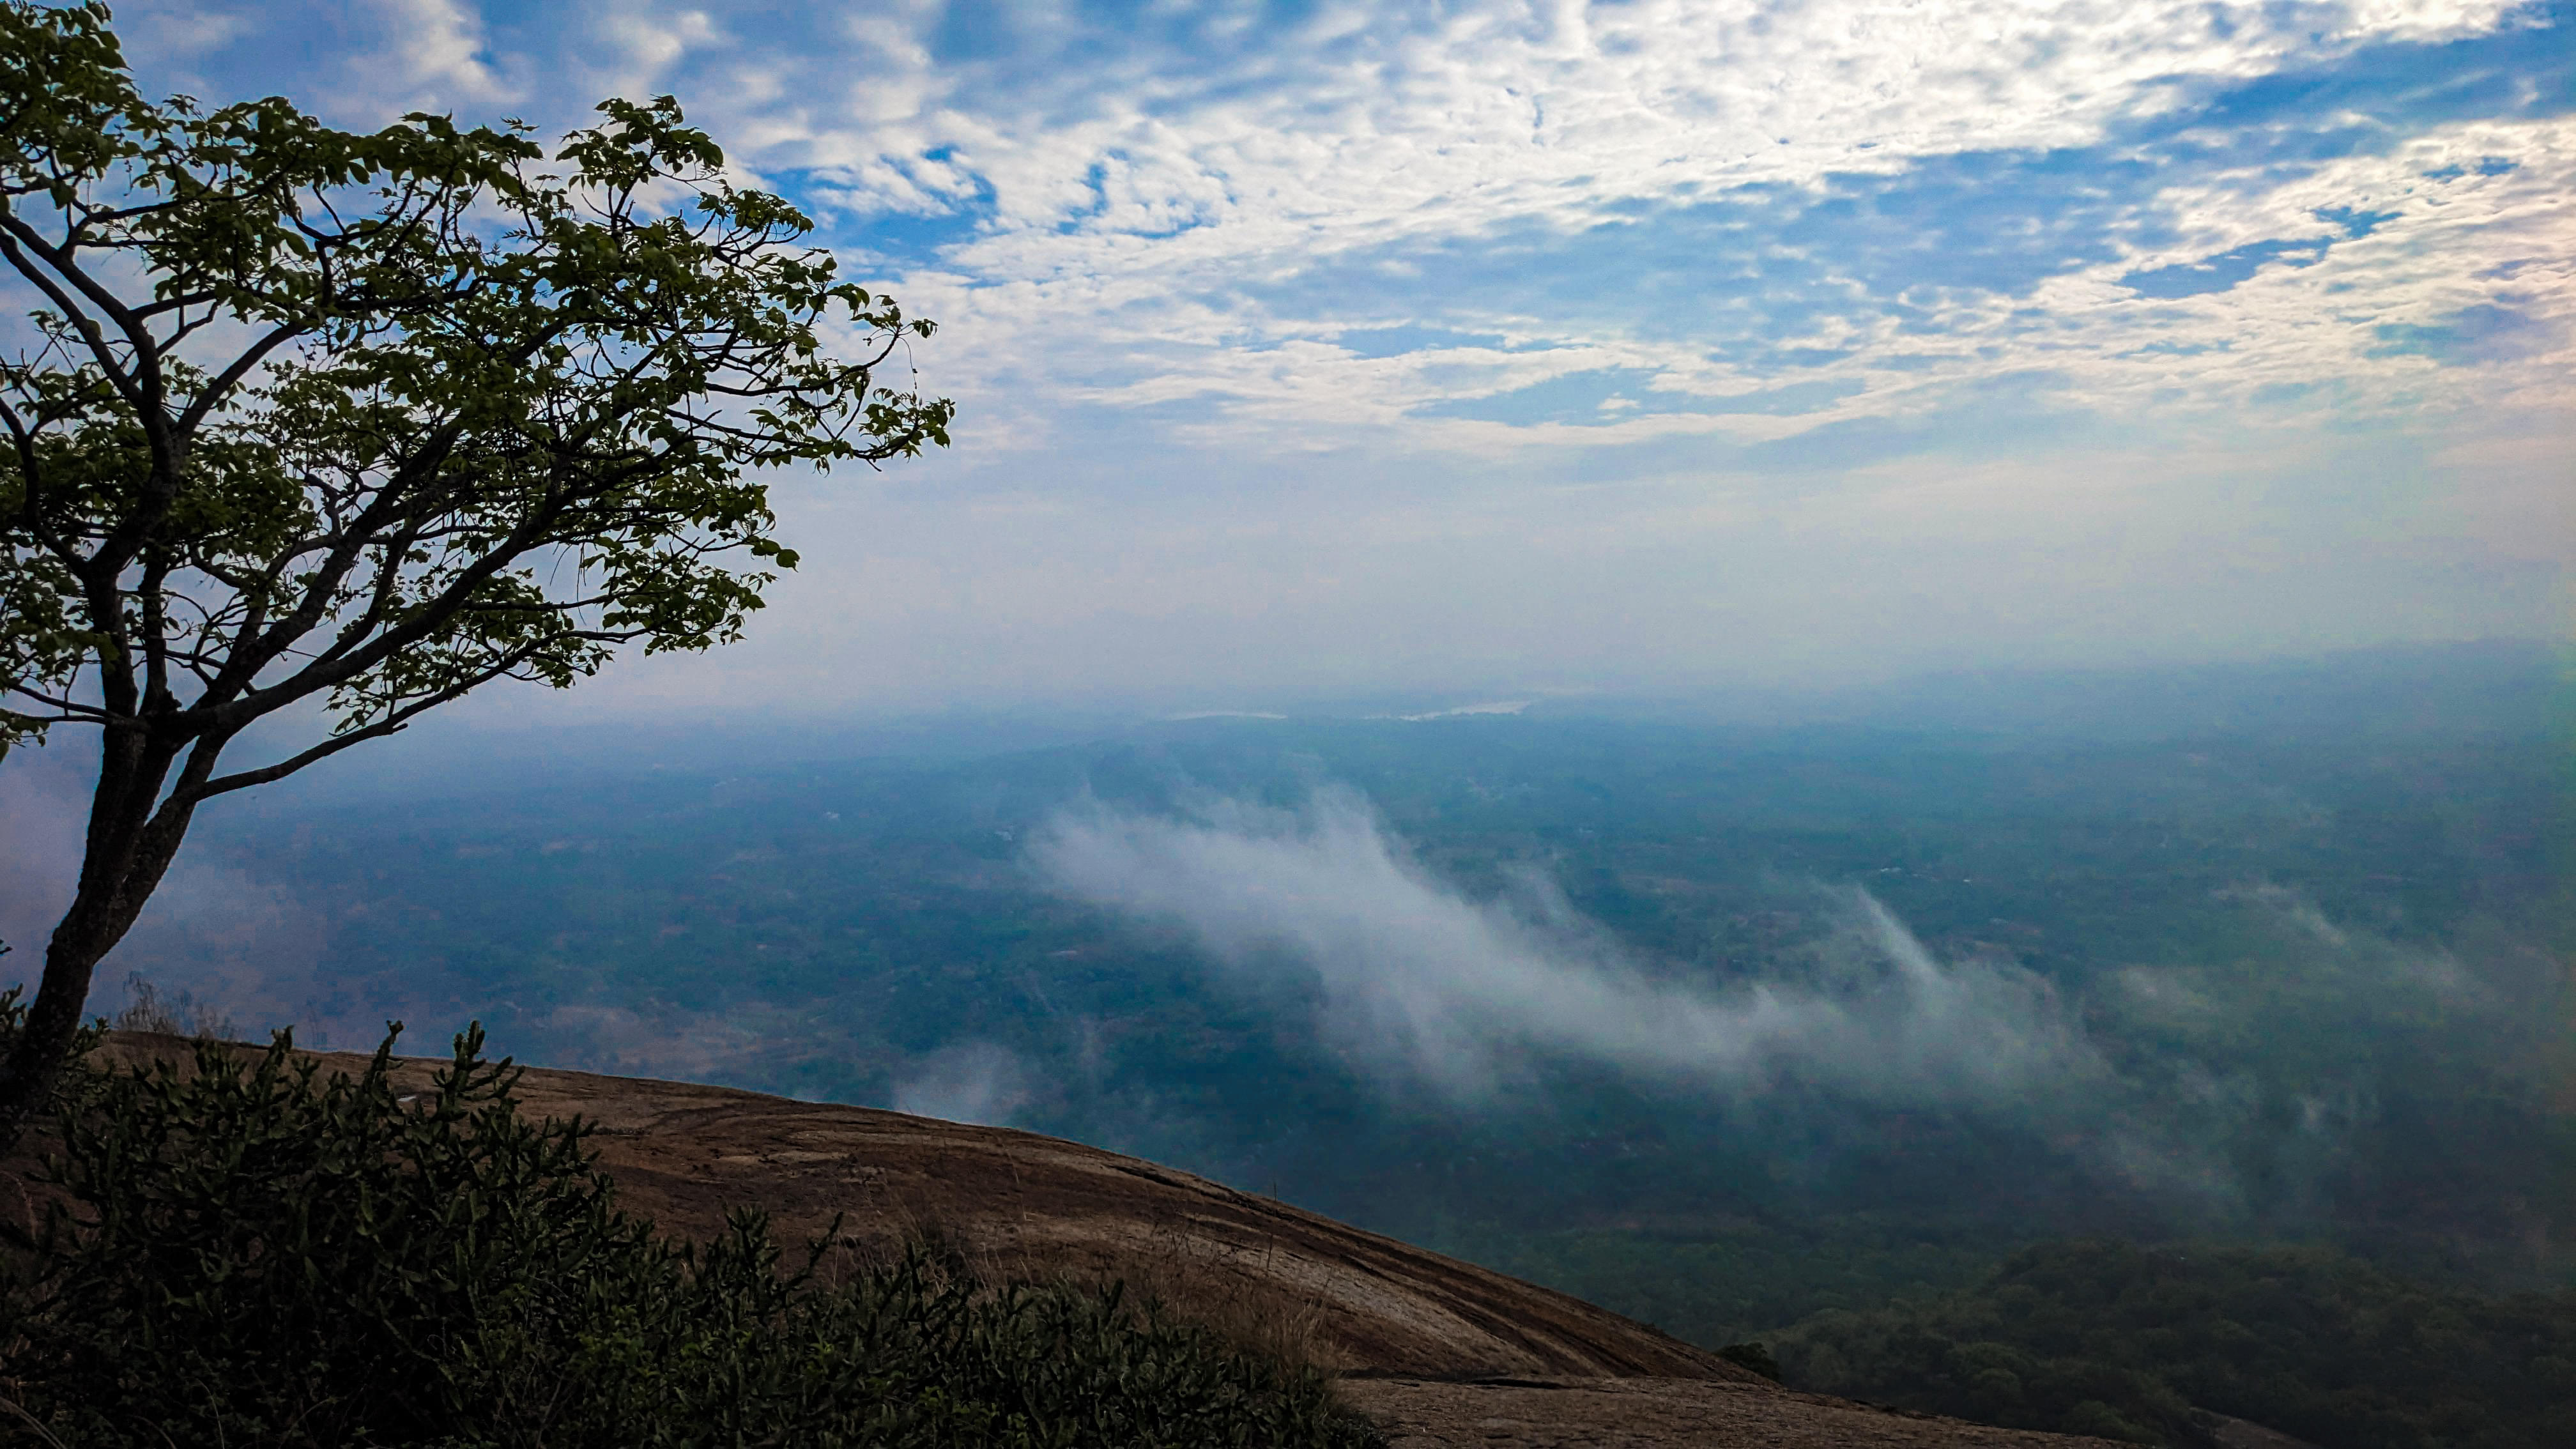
(346, 425)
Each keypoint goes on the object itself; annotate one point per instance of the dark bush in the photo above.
(244, 1250)
(1754, 1356)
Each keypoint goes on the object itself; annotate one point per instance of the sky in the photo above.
(1434, 352)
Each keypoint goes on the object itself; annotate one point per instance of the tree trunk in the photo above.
(36, 1059)
(129, 847)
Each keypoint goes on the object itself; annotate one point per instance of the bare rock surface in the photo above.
(1029, 1205)
(1438, 1351)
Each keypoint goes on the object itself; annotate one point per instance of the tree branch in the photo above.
(15, 235)
(390, 724)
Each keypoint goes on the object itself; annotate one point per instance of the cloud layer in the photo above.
(1614, 344)
(1662, 208)
(1422, 981)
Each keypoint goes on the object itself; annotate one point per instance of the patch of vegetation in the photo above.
(2124, 1341)
(179, 1014)
(240, 1249)
(1753, 1357)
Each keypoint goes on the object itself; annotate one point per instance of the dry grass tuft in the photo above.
(180, 1015)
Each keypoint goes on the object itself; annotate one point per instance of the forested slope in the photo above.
(2112, 1338)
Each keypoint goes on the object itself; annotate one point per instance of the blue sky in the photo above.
(1316, 350)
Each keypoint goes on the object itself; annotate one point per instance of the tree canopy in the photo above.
(349, 424)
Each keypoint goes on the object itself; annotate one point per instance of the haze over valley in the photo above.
(1554, 987)
(1887, 687)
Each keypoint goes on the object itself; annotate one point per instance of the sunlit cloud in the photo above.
(1676, 205)
(1748, 250)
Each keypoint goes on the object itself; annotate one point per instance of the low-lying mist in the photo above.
(1415, 977)
(2285, 1079)
(1566, 975)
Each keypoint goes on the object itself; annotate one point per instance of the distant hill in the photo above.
(2486, 687)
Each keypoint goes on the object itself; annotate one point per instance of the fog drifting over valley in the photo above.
(1424, 982)
(2243, 1085)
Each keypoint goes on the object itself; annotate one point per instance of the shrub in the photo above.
(146, 1009)
(1753, 1356)
(243, 1250)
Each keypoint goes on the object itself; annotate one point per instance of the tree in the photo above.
(341, 426)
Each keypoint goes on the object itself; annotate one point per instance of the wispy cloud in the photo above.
(1135, 208)
(44, 800)
(2221, 1087)
(976, 1082)
(1424, 981)
(1712, 202)
(236, 941)
(2264, 313)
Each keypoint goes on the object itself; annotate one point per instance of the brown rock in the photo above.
(1442, 1353)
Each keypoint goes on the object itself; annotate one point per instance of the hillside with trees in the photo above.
(2127, 1341)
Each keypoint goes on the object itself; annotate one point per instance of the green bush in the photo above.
(243, 1250)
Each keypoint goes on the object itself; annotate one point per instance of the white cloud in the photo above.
(1137, 205)
(176, 33)
(422, 55)
(44, 800)
(975, 1082)
(1146, 244)
(1424, 981)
